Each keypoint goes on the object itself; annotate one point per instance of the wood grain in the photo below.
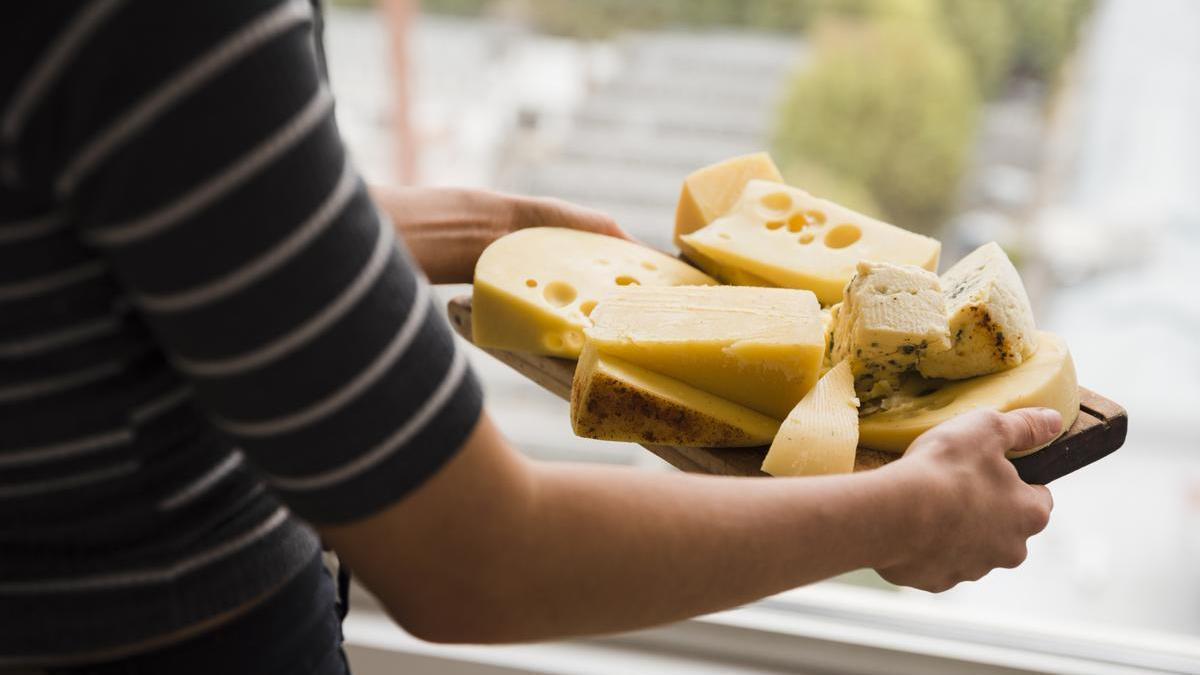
(1098, 431)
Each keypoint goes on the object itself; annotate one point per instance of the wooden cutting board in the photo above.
(1098, 431)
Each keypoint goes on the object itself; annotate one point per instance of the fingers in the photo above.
(1030, 427)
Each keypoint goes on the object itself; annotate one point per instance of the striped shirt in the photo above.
(205, 325)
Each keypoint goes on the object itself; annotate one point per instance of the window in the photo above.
(1065, 130)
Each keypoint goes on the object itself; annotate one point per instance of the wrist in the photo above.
(903, 515)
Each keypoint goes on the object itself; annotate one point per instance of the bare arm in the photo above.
(447, 228)
(497, 548)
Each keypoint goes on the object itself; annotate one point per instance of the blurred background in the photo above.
(1066, 130)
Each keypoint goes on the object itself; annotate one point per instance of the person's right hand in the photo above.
(972, 511)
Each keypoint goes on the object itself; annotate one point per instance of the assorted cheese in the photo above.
(1047, 379)
(820, 435)
(794, 240)
(710, 193)
(535, 288)
(990, 320)
(891, 317)
(667, 356)
(758, 347)
(615, 400)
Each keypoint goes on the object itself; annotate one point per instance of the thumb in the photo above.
(1030, 427)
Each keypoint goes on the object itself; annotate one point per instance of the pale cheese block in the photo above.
(535, 288)
(795, 240)
(758, 347)
(1046, 380)
(615, 400)
(991, 322)
(710, 193)
(891, 318)
(820, 435)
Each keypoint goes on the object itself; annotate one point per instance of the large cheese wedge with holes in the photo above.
(820, 435)
(758, 347)
(535, 288)
(615, 400)
(710, 193)
(990, 319)
(1047, 380)
(795, 240)
(891, 317)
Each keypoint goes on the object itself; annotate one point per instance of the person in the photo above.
(218, 350)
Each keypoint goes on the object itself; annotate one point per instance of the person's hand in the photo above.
(547, 212)
(972, 511)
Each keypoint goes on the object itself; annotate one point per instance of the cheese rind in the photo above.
(614, 400)
(534, 288)
(891, 318)
(1047, 380)
(758, 347)
(795, 240)
(710, 193)
(820, 435)
(991, 321)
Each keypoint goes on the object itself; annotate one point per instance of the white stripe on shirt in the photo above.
(289, 342)
(348, 392)
(373, 457)
(72, 448)
(53, 385)
(283, 251)
(53, 61)
(13, 232)
(21, 290)
(216, 187)
(65, 337)
(151, 575)
(209, 478)
(231, 50)
(62, 483)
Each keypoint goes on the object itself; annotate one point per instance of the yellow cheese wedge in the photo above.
(795, 240)
(710, 193)
(989, 316)
(892, 316)
(758, 347)
(820, 435)
(1045, 380)
(614, 400)
(535, 288)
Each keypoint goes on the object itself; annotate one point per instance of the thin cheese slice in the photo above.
(758, 347)
(1046, 380)
(820, 435)
(614, 400)
(795, 240)
(535, 288)
(990, 319)
(710, 193)
(892, 316)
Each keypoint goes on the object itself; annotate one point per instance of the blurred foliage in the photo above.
(1049, 32)
(984, 31)
(890, 105)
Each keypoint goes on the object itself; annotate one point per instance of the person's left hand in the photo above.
(549, 212)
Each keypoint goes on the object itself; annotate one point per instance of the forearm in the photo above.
(540, 551)
(446, 229)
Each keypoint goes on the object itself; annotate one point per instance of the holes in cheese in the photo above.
(1047, 379)
(761, 348)
(842, 238)
(820, 435)
(710, 193)
(615, 400)
(571, 271)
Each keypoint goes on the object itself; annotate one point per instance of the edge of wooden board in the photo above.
(1099, 430)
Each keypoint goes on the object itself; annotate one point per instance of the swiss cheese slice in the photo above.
(758, 347)
(1047, 380)
(535, 288)
(990, 320)
(891, 317)
(795, 240)
(615, 400)
(710, 193)
(820, 435)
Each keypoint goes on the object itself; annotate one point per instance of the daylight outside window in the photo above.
(1064, 130)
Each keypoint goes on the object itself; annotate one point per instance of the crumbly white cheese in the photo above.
(991, 322)
(892, 317)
